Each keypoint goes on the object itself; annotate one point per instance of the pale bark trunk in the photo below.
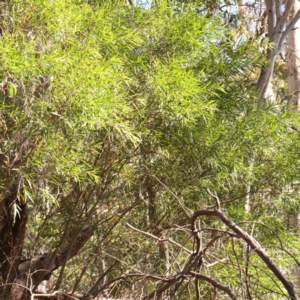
(293, 62)
(293, 81)
(278, 28)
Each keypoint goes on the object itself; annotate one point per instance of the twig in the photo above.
(216, 198)
(172, 193)
(160, 240)
(215, 284)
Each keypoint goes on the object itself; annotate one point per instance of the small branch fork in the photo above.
(160, 240)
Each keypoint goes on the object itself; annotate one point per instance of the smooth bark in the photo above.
(279, 26)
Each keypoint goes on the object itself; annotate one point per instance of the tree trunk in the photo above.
(293, 62)
(33, 271)
(293, 81)
(279, 26)
(12, 235)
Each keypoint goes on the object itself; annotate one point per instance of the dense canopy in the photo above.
(138, 160)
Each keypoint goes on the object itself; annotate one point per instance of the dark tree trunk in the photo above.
(12, 235)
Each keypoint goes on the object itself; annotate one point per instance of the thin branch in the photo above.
(285, 15)
(224, 261)
(287, 31)
(215, 284)
(178, 278)
(160, 240)
(218, 261)
(248, 282)
(172, 193)
(94, 291)
(155, 294)
(216, 198)
(264, 225)
(82, 274)
(225, 232)
(240, 270)
(230, 200)
(197, 289)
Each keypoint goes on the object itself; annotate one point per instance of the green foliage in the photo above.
(159, 103)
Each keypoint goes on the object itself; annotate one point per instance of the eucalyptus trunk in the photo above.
(279, 26)
(293, 81)
(293, 62)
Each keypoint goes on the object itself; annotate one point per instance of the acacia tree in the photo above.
(116, 123)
